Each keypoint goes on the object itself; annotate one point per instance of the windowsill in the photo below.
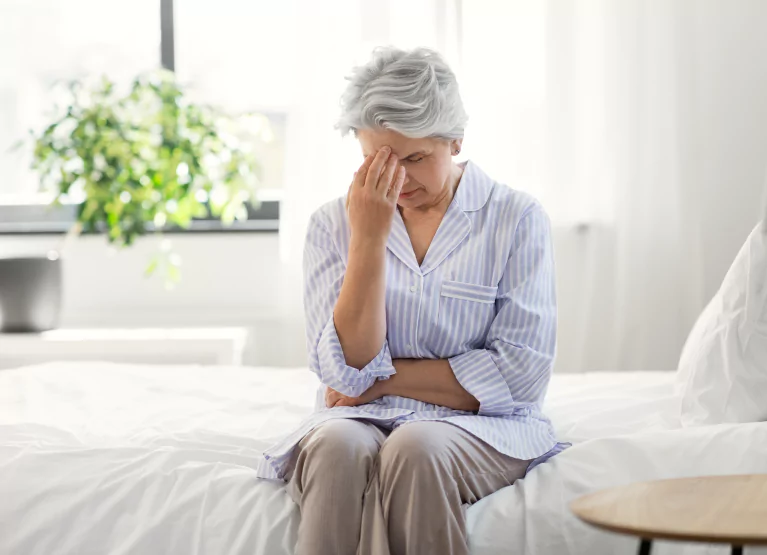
(40, 219)
(196, 227)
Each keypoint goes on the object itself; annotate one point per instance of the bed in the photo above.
(101, 458)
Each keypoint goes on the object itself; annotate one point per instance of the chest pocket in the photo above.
(466, 311)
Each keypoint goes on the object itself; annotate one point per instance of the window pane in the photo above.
(43, 42)
(239, 55)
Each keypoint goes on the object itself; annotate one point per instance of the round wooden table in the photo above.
(711, 509)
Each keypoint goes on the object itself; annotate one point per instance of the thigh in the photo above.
(478, 468)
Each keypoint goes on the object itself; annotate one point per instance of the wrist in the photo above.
(390, 386)
(367, 244)
(385, 386)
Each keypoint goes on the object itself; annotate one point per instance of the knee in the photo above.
(340, 447)
(412, 448)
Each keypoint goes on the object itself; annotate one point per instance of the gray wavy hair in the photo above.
(413, 92)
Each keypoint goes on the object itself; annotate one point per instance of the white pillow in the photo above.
(722, 373)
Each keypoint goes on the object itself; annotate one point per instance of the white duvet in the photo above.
(98, 458)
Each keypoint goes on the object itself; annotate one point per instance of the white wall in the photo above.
(227, 279)
(728, 105)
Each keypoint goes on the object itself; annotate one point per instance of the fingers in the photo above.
(379, 171)
(335, 399)
(378, 165)
(345, 401)
(361, 174)
(387, 176)
(349, 192)
(399, 182)
(331, 397)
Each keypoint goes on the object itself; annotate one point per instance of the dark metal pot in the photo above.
(30, 293)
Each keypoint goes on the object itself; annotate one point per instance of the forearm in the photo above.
(360, 312)
(430, 381)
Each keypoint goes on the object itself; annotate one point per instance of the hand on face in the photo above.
(373, 196)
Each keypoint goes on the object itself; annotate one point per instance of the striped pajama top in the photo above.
(483, 298)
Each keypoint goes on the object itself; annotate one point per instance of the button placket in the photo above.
(416, 287)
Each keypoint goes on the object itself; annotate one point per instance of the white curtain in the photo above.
(616, 131)
(640, 124)
(595, 107)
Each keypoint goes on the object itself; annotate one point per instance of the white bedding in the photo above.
(101, 458)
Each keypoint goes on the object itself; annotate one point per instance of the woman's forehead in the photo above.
(372, 141)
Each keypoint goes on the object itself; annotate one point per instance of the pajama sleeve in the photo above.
(513, 369)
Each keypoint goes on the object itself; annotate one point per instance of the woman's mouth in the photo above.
(408, 194)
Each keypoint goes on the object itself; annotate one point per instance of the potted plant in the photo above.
(134, 161)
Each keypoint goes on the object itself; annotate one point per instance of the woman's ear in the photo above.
(455, 146)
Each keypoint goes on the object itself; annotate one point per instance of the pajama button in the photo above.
(409, 347)
(413, 288)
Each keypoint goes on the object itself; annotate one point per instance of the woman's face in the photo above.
(428, 163)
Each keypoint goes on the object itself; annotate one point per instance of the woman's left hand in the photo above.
(335, 399)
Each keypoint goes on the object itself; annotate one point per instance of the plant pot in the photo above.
(30, 293)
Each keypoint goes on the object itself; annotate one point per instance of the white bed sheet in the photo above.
(124, 459)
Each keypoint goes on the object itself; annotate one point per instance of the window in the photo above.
(236, 54)
(48, 41)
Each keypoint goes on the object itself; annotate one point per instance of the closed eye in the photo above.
(415, 160)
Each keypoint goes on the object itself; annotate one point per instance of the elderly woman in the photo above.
(431, 321)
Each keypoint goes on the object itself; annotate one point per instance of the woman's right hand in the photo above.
(373, 196)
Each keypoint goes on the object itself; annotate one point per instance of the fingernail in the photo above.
(386, 149)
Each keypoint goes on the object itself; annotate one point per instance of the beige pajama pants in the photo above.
(364, 490)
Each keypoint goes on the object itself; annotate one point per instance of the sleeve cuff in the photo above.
(335, 373)
(478, 374)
